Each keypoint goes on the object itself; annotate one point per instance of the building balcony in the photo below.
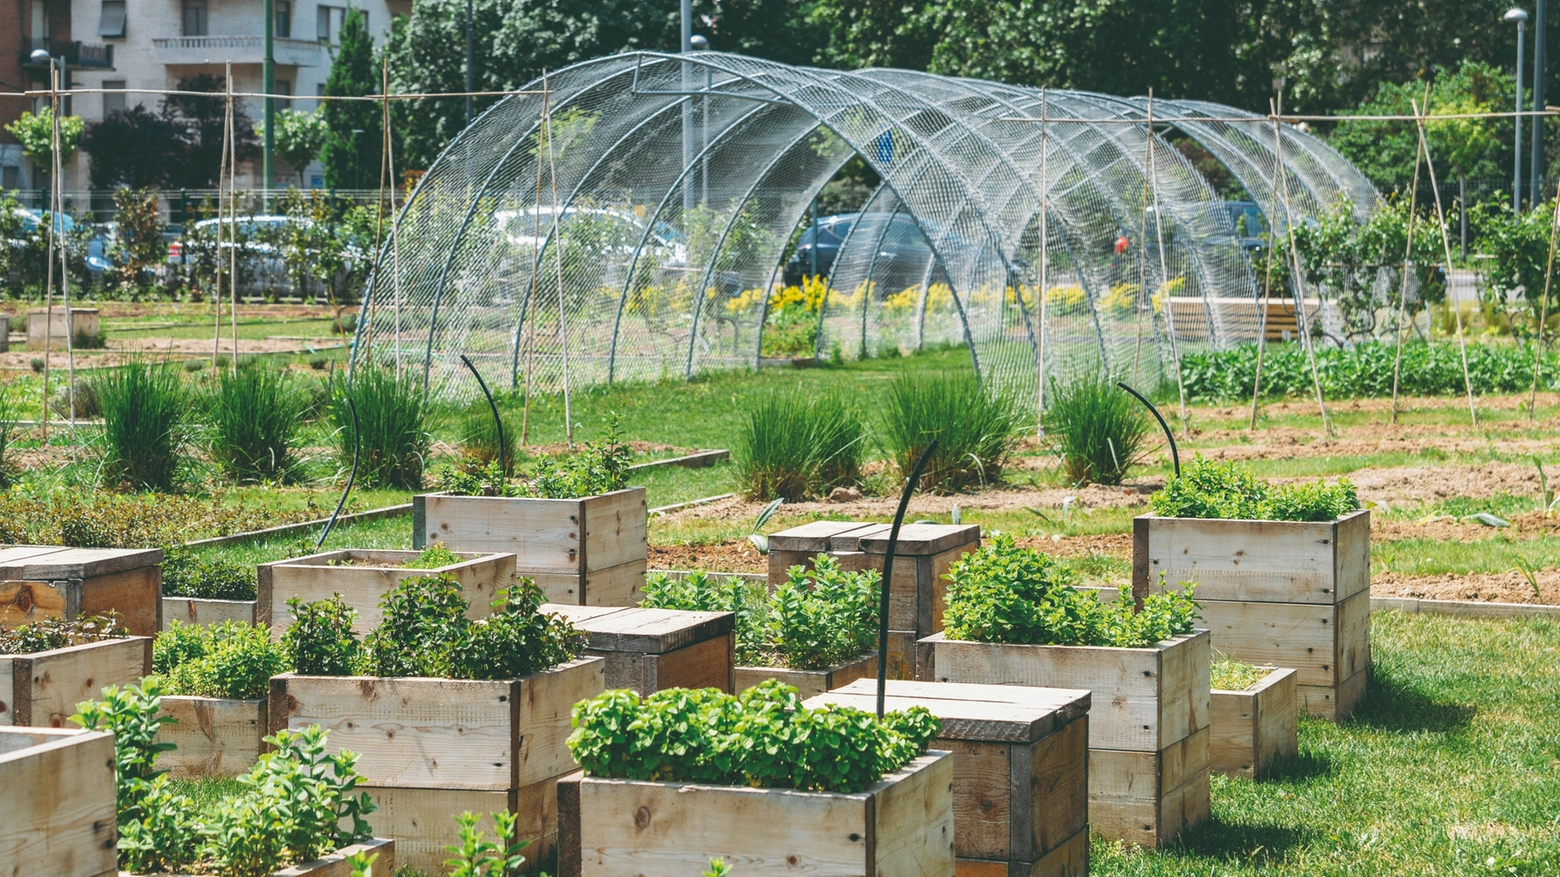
(240, 49)
(75, 52)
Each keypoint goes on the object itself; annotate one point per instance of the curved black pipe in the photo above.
(1175, 455)
(503, 458)
(888, 571)
(357, 453)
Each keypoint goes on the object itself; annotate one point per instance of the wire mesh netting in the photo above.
(631, 220)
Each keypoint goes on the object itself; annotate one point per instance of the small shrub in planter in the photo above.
(215, 682)
(599, 467)
(48, 666)
(186, 574)
(1209, 489)
(814, 631)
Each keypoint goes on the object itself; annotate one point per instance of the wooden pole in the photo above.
(1543, 312)
(1164, 267)
(1040, 350)
(1408, 251)
(1294, 254)
(563, 330)
(232, 143)
(1446, 247)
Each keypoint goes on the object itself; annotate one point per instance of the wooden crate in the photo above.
(1148, 741)
(1252, 729)
(335, 864)
(808, 682)
(1071, 859)
(423, 824)
(199, 610)
(421, 733)
(590, 551)
(39, 581)
(53, 329)
(43, 688)
(651, 649)
(58, 815)
(217, 737)
(1020, 767)
(921, 559)
(318, 576)
(1254, 561)
(902, 825)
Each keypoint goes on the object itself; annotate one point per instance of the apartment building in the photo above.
(25, 26)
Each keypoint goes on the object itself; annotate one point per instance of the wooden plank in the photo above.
(336, 865)
(1277, 722)
(695, 460)
(198, 610)
(902, 825)
(616, 529)
(1332, 702)
(7, 692)
(423, 820)
(1302, 636)
(1353, 635)
(544, 708)
(702, 665)
(1070, 859)
(983, 797)
(1058, 792)
(813, 537)
(1129, 709)
(16, 558)
(46, 686)
(136, 594)
(216, 737)
(925, 539)
(546, 532)
(808, 683)
(1249, 561)
(24, 602)
(58, 816)
(986, 713)
(850, 540)
(88, 563)
(1148, 797)
(621, 586)
(652, 631)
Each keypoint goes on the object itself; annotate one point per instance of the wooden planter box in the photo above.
(318, 576)
(902, 825)
(217, 737)
(1252, 729)
(651, 649)
(51, 326)
(43, 688)
(200, 610)
(47, 581)
(58, 816)
(335, 864)
(808, 682)
(585, 552)
(1148, 726)
(1279, 593)
(921, 559)
(433, 747)
(1020, 770)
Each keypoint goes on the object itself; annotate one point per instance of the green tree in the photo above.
(136, 148)
(353, 144)
(299, 137)
(35, 133)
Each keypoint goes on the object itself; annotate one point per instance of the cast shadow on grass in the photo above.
(1245, 842)
(1391, 705)
(1300, 768)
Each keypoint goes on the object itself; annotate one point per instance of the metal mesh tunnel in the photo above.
(634, 227)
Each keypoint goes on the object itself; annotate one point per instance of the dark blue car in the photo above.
(902, 259)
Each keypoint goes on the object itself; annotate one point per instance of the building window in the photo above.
(111, 23)
(40, 25)
(283, 19)
(113, 102)
(284, 86)
(194, 18)
(330, 21)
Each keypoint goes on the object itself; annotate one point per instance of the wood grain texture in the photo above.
(1301, 636)
(551, 536)
(335, 864)
(443, 733)
(136, 594)
(651, 631)
(616, 529)
(925, 539)
(807, 682)
(1143, 699)
(815, 537)
(46, 686)
(621, 586)
(194, 610)
(1258, 561)
(1333, 702)
(1070, 859)
(902, 825)
(24, 602)
(1254, 728)
(57, 817)
(216, 737)
(1058, 791)
(422, 820)
(1148, 798)
(983, 713)
(55, 563)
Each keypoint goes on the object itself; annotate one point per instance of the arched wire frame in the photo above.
(635, 229)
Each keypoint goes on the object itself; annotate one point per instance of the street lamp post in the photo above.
(42, 56)
(1520, 17)
(1540, 37)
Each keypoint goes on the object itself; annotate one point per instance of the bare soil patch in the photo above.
(1508, 587)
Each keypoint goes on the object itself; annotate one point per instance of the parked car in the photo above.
(903, 251)
(97, 245)
(1249, 224)
(263, 262)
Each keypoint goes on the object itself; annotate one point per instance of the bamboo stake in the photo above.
(59, 211)
(379, 216)
(1543, 312)
(1408, 251)
(1446, 246)
(1267, 295)
(1045, 242)
(530, 296)
(48, 283)
(1299, 278)
(563, 331)
(232, 144)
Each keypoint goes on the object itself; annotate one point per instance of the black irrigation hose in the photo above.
(1175, 455)
(888, 572)
(357, 452)
(503, 458)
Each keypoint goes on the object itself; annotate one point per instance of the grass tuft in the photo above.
(791, 446)
(1100, 430)
(254, 417)
(144, 416)
(976, 429)
(391, 415)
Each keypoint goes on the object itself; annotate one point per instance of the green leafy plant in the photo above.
(764, 738)
(792, 446)
(698, 591)
(144, 418)
(424, 617)
(468, 478)
(230, 660)
(132, 715)
(186, 574)
(57, 633)
(254, 418)
(1002, 593)
(1210, 489)
(1100, 431)
(9, 414)
(476, 857)
(601, 466)
(391, 418)
(975, 429)
(320, 641)
(516, 641)
(435, 556)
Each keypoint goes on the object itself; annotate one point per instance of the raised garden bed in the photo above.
(903, 824)
(1254, 728)
(335, 864)
(215, 736)
(57, 815)
(586, 552)
(202, 610)
(808, 682)
(1020, 770)
(56, 328)
(648, 650)
(363, 576)
(47, 581)
(42, 689)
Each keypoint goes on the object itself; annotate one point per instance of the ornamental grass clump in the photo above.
(254, 416)
(793, 446)
(814, 620)
(1099, 430)
(763, 738)
(975, 429)
(391, 420)
(145, 410)
(1002, 593)
(1209, 489)
(233, 660)
(424, 631)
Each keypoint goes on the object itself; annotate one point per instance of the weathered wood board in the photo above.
(1255, 561)
(422, 821)
(1252, 729)
(83, 581)
(217, 737)
(561, 536)
(199, 610)
(1071, 859)
(1148, 798)
(43, 688)
(902, 825)
(335, 864)
(57, 816)
(807, 682)
(651, 649)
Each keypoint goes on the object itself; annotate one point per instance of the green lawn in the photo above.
(1450, 766)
